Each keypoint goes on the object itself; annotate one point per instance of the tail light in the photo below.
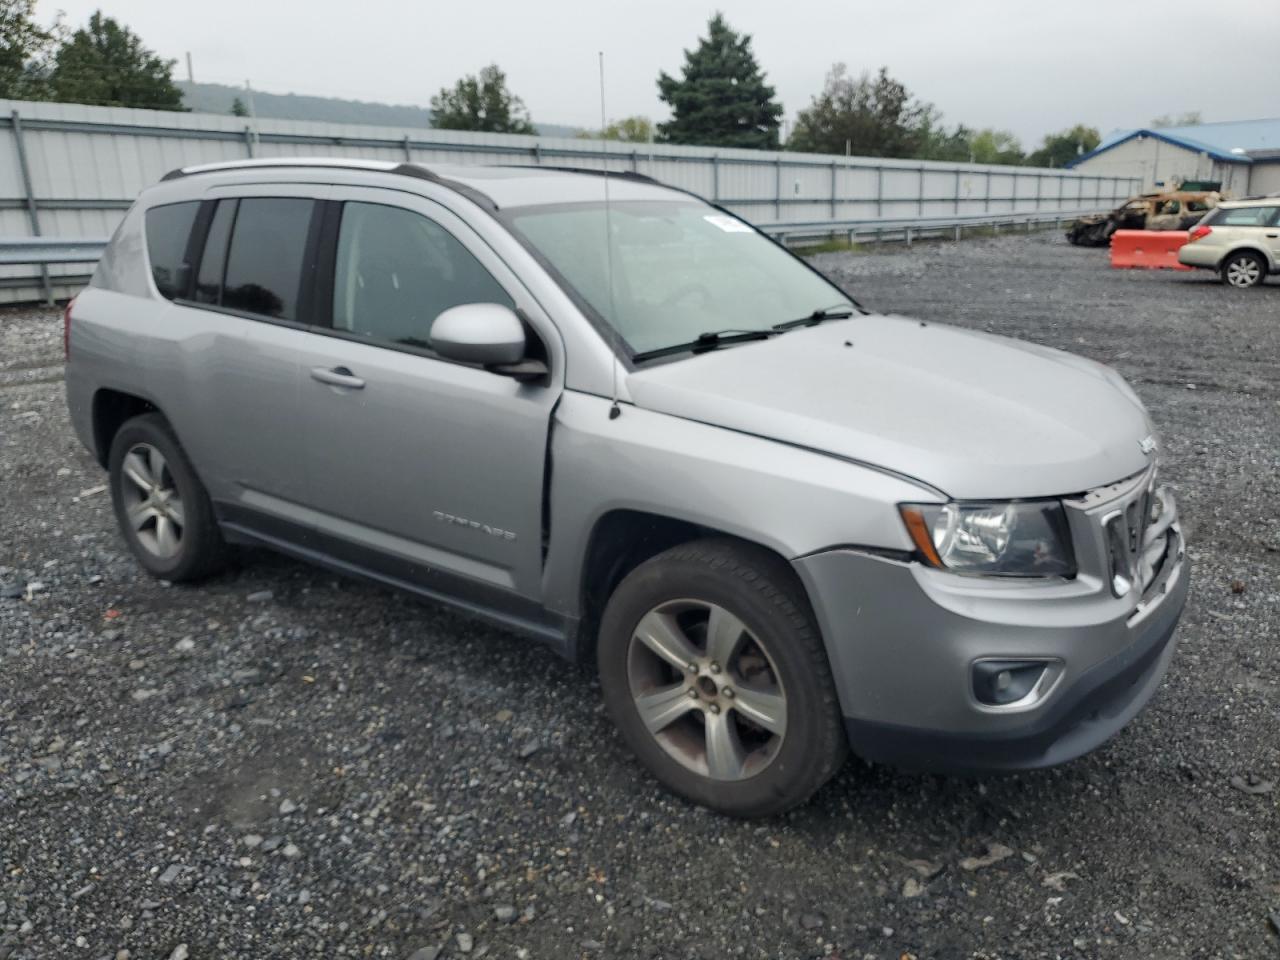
(66, 330)
(1199, 233)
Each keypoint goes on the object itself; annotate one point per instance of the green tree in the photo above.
(105, 63)
(1188, 119)
(480, 103)
(628, 130)
(238, 109)
(872, 117)
(939, 143)
(26, 49)
(722, 99)
(1059, 149)
(995, 146)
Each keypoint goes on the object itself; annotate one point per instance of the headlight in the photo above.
(1002, 539)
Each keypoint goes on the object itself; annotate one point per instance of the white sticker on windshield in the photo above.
(727, 224)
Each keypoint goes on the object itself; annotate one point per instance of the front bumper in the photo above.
(902, 640)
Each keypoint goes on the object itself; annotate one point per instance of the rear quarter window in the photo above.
(168, 230)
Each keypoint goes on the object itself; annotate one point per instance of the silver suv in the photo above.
(1240, 240)
(610, 416)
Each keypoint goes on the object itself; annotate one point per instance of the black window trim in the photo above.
(195, 248)
(319, 274)
(302, 295)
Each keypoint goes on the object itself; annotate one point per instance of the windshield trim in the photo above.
(621, 349)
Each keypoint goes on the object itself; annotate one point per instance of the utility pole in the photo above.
(191, 77)
(253, 115)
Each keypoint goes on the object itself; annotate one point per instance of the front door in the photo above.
(419, 466)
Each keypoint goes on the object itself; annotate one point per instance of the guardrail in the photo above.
(910, 228)
(49, 251)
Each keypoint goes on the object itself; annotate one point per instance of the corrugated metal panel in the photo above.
(87, 163)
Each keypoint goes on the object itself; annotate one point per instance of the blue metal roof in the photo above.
(1215, 139)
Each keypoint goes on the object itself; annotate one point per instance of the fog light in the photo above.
(998, 683)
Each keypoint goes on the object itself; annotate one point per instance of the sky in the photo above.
(1030, 67)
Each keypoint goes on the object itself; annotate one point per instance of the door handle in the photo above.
(1273, 235)
(337, 377)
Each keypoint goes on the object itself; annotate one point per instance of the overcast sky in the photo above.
(1029, 67)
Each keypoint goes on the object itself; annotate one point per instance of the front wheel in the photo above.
(1243, 270)
(716, 675)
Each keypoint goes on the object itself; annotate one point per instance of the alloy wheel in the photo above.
(706, 689)
(152, 503)
(1244, 272)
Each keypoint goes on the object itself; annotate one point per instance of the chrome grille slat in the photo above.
(1137, 544)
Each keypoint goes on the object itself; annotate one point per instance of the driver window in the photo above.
(396, 271)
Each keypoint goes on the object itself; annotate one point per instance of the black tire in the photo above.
(200, 550)
(1243, 270)
(762, 592)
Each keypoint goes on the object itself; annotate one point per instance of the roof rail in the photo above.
(385, 166)
(590, 171)
(378, 166)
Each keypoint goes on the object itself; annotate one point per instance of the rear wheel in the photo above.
(1243, 269)
(162, 508)
(716, 675)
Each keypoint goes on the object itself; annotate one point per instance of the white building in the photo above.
(1243, 154)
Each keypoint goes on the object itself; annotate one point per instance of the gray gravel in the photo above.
(281, 763)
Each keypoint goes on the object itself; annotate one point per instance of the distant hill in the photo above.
(218, 97)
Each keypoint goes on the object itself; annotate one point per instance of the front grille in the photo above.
(1139, 536)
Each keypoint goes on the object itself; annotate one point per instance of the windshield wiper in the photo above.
(711, 340)
(838, 312)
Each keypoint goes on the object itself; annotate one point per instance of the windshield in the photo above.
(680, 269)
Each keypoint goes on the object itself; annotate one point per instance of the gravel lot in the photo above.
(280, 763)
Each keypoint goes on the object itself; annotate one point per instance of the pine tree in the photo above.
(722, 99)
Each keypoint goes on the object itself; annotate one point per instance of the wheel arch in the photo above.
(621, 540)
(1268, 260)
(112, 409)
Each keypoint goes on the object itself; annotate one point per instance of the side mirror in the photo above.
(488, 334)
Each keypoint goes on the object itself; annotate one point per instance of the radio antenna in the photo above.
(614, 410)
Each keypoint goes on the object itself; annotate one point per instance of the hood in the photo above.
(974, 415)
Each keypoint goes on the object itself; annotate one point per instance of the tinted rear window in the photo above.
(264, 262)
(168, 232)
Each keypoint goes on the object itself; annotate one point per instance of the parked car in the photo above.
(1240, 240)
(1163, 210)
(615, 418)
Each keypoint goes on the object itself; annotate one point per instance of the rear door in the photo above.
(429, 470)
(244, 314)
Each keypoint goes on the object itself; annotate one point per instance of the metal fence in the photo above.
(75, 169)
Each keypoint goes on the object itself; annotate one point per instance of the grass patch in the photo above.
(829, 246)
(946, 235)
